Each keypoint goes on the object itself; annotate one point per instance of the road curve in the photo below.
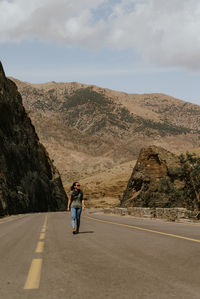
(112, 257)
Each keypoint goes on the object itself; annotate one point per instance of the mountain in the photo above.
(88, 130)
(29, 182)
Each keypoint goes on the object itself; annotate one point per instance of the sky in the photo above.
(136, 46)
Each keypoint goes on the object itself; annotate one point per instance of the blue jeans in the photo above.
(75, 216)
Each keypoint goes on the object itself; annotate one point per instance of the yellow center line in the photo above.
(40, 247)
(33, 279)
(45, 221)
(145, 229)
(42, 236)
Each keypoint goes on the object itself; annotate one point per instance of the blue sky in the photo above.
(136, 46)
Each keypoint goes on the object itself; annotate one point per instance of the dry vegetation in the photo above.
(95, 134)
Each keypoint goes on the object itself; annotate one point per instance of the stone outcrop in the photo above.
(157, 180)
(29, 182)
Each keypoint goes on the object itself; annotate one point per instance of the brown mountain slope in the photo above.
(88, 129)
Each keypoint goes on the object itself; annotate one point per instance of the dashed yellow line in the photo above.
(45, 222)
(33, 279)
(40, 247)
(42, 236)
(145, 229)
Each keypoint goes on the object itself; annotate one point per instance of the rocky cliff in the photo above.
(162, 179)
(28, 180)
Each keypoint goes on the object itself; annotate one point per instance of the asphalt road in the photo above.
(112, 257)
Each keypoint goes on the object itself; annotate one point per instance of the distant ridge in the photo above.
(88, 129)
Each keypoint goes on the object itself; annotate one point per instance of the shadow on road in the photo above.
(87, 232)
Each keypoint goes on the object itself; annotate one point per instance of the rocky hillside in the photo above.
(92, 133)
(87, 129)
(162, 179)
(29, 182)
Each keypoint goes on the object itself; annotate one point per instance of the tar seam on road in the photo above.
(145, 229)
(33, 278)
(16, 218)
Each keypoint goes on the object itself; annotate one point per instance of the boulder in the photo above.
(157, 181)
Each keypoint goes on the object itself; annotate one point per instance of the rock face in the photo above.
(157, 180)
(28, 180)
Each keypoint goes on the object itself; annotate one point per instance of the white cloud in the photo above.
(166, 32)
(61, 20)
